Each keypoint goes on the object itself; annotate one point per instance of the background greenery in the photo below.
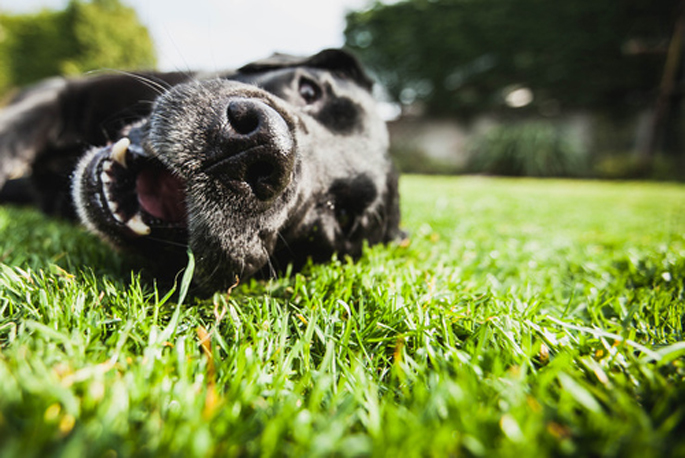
(87, 35)
(522, 318)
(457, 56)
(602, 59)
(533, 149)
(451, 59)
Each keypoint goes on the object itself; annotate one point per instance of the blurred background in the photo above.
(588, 88)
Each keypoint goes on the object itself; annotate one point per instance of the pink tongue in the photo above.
(161, 195)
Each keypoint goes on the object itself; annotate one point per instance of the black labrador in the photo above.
(281, 160)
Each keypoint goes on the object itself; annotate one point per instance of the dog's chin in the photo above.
(214, 271)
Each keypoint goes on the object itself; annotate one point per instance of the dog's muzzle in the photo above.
(209, 172)
(255, 148)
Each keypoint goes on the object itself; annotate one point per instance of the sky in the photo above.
(219, 34)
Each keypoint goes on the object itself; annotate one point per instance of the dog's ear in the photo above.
(275, 61)
(46, 127)
(343, 64)
(27, 124)
(338, 61)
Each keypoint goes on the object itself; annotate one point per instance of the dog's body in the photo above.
(281, 160)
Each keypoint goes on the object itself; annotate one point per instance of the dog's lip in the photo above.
(138, 193)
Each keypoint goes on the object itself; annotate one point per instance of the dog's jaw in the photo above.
(231, 217)
(113, 198)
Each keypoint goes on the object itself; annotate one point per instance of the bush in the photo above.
(85, 36)
(415, 160)
(629, 166)
(536, 149)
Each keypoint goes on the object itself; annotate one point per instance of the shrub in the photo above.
(536, 149)
(629, 166)
(415, 160)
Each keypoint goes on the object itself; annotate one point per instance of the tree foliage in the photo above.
(85, 36)
(459, 56)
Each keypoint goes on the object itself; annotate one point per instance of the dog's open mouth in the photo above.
(136, 191)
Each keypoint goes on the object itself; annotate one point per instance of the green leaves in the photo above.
(458, 56)
(533, 149)
(96, 35)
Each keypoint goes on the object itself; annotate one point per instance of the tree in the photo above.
(459, 56)
(85, 36)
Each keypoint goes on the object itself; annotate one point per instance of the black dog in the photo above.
(283, 159)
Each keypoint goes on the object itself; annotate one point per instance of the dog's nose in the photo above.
(255, 147)
(246, 116)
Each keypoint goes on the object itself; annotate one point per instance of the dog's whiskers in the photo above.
(272, 270)
(380, 219)
(284, 240)
(159, 86)
(206, 280)
(168, 242)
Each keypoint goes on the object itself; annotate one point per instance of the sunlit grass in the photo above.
(524, 318)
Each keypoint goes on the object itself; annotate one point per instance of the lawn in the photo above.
(522, 318)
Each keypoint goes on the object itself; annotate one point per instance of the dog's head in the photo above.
(284, 159)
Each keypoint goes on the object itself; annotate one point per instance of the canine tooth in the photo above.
(119, 151)
(137, 225)
(105, 178)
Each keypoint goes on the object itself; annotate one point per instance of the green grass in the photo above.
(525, 318)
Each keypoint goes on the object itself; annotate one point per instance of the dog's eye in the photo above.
(309, 90)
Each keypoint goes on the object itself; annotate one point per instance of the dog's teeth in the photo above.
(137, 225)
(119, 151)
(105, 178)
(114, 208)
(108, 166)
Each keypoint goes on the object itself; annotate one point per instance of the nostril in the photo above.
(259, 171)
(243, 117)
(263, 178)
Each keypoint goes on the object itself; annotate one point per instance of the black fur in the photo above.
(342, 115)
(279, 161)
